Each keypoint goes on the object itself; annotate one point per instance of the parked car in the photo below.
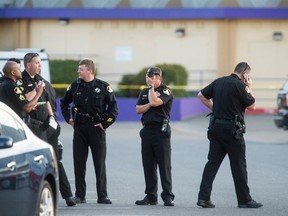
(281, 117)
(28, 169)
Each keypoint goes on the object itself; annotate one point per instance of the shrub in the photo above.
(63, 72)
(173, 74)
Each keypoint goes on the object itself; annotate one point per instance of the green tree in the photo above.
(173, 74)
(63, 72)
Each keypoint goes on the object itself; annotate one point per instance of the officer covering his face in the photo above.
(154, 103)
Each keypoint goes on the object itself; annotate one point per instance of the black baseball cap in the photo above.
(153, 71)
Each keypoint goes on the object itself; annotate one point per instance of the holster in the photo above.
(240, 128)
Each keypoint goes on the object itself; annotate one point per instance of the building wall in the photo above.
(127, 46)
(255, 44)
(210, 48)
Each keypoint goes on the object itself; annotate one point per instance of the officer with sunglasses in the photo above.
(154, 103)
(41, 117)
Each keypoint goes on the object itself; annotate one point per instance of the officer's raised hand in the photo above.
(247, 79)
(40, 86)
(150, 81)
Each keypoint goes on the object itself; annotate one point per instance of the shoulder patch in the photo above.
(247, 89)
(167, 91)
(21, 97)
(109, 89)
(18, 90)
(19, 82)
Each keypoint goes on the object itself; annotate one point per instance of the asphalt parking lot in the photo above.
(267, 149)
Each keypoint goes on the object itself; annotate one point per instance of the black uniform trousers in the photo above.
(64, 185)
(222, 142)
(38, 131)
(156, 150)
(85, 136)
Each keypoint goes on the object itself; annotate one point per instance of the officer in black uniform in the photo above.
(155, 103)
(94, 110)
(53, 139)
(2, 78)
(39, 118)
(228, 98)
(12, 93)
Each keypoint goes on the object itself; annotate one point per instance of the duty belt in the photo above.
(223, 121)
(85, 118)
(28, 120)
(148, 124)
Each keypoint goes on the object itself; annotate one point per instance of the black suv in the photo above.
(281, 117)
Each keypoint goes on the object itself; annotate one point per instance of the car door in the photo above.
(14, 167)
(8, 194)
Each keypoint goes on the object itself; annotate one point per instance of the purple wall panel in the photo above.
(146, 14)
(183, 108)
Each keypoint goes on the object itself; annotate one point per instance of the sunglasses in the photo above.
(33, 55)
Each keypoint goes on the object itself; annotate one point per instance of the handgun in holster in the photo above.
(240, 128)
(164, 126)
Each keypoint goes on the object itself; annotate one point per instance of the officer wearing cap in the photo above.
(95, 110)
(228, 97)
(154, 103)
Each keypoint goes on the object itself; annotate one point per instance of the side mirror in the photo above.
(6, 142)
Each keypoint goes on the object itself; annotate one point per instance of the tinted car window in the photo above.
(11, 127)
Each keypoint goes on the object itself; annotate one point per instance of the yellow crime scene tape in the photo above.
(178, 87)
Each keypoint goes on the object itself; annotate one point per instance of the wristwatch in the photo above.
(150, 86)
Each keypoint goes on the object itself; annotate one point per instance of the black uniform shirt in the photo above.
(52, 96)
(156, 114)
(2, 79)
(41, 111)
(93, 98)
(13, 95)
(230, 95)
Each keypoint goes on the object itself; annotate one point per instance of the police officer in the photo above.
(12, 93)
(95, 109)
(53, 139)
(40, 118)
(2, 78)
(228, 98)
(154, 103)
